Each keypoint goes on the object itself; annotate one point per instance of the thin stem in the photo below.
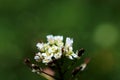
(36, 67)
(60, 71)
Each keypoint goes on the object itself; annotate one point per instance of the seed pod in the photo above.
(81, 52)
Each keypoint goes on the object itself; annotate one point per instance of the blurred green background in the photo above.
(94, 25)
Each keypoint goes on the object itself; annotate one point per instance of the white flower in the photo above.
(69, 53)
(57, 56)
(47, 55)
(50, 39)
(73, 55)
(38, 57)
(70, 57)
(60, 44)
(46, 47)
(40, 46)
(47, 60)
(69, 49)
(55, 48)
(58, 38)
(68, 45)
(55, 40)
(52, 49)
(69, 42)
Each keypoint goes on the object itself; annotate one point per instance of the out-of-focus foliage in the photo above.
(94, 25)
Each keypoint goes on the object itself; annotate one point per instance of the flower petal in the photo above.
(69, 41)
(40, 45)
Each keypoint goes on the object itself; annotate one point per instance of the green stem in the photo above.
(61, 77)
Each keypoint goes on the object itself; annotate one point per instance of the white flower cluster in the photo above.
(55, 48)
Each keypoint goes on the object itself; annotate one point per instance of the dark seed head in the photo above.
(81, 52)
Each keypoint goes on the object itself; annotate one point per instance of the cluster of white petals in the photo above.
(55, 48)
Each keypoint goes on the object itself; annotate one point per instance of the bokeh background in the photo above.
(94, 25)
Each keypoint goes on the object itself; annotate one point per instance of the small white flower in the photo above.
(69, 49)
(52, 49)
(58, 38)
(74, 55)
(40, 46)
(38, 57)
(57, 55)
(47, 55)
(39, 54)
(50, 39)
(47, 60)
(69, 42)
(60, 44)
(46, 46)
(68, 54)
(70, 57)
(44, 54)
